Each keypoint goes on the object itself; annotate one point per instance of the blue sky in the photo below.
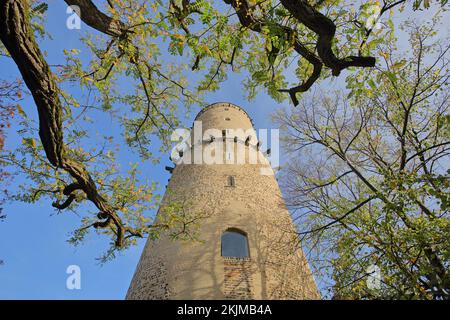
(33, 237)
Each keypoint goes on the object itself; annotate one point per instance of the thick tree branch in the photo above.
(18, 38)
(339, 219)
(246, 18)
(65, 204)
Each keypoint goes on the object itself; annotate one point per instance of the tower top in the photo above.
(223, 104)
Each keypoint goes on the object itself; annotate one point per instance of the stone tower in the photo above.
(244, 243)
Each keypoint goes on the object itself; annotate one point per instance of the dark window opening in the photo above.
(235, 244)
(227, 119)
(231, 181)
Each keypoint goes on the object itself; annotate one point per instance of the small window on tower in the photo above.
(227, 119)
(231, 181)
(235, 244)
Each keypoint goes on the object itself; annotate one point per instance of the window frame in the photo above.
(240, 232)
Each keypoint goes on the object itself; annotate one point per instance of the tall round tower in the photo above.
(241, 242)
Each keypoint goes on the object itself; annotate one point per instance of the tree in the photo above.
(261, 37)
(9, 92)
(371, 184)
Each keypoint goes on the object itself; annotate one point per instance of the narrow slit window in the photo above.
(231, 181)
(234, 244)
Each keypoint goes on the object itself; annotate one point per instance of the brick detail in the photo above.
(237, 282)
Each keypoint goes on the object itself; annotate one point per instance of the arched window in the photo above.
(235, 244)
